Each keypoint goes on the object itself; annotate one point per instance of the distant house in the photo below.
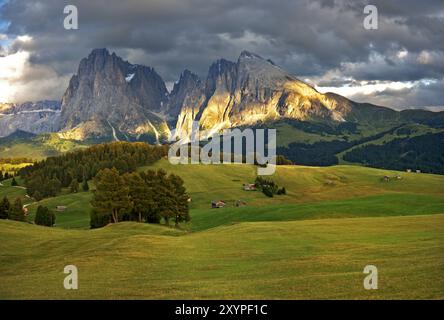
(418, 171)
(409, 170)
(217, 204)
(386, 178)
(249, 187)
(61, 208)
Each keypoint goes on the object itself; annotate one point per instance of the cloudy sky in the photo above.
(400, 65)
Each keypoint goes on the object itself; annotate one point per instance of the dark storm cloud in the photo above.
(308, 38)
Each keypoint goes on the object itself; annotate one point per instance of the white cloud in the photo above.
(368, 89)
(21, 80)
(12, 70)
(424, 57)
(24, 38)
(402, 54)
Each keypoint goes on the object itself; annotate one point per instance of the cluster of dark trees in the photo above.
(282, 161)
(44, 217)
(12, 211)
(48, 177)
(15, 211)
(269, 187)
(5, 176)
(321, 153)
(150, 196)
(425, 153)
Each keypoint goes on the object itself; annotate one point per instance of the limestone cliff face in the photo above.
(109, 95)
(254, 90)
(112, 98)
(185, 101)
(34, 117)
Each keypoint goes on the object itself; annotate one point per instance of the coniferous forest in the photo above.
(46, 178)
(425, 153)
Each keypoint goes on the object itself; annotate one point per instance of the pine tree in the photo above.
(44, 217)
(16, 211)
(74, 186)
(85, 186)
(179, 199)
(14, 182)
(140, 195)
(4, 208)
(37, 196)
(53, 187)
(111, 195)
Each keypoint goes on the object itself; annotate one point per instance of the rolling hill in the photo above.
(311, 243)
(281, 260)
(312, 192)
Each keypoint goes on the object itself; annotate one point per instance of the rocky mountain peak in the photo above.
(187, 77)
(249, 55)
(109, 95)
(188, 86)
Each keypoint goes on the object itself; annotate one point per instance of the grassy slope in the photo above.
(289, 260)
(340, 191)
(259, 251)
(13, 192)
(303, 184)
(35, 147)
(76, 214)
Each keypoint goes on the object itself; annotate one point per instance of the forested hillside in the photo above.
(47, 177)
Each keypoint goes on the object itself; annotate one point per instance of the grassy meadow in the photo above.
(311, 243)
(321, 259)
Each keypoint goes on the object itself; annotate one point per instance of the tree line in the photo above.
(425, 153)
(323, 153)
(5, 176)
(150, 197)
(46, 178)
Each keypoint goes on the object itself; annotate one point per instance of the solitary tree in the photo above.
(14, 183)
(4, 208)
(44, 217)
(16, 211)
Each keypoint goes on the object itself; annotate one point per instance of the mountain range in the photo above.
(111, 99)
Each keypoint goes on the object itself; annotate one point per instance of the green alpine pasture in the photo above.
(311, 243)
(262, 260)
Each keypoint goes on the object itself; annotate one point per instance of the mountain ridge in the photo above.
(109, 96)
